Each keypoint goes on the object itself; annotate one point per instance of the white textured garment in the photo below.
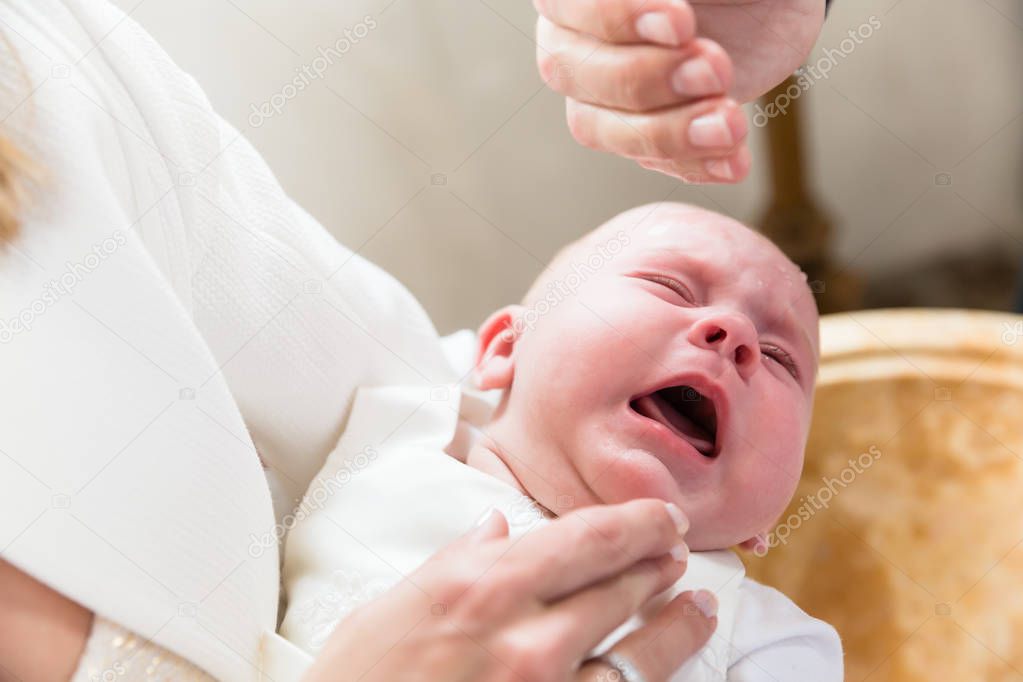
(389, 497)
(165, 307)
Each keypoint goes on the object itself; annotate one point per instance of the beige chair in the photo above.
(907, 529)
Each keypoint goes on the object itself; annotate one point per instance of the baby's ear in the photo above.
(494, 345)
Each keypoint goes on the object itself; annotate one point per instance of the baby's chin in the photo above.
(633, 475)
(637, 474)
(706, 536)
(718, 524)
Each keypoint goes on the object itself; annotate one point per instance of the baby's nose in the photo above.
(733, 336)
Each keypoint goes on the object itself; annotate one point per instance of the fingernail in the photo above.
(720, 168)
(657, 28)
(486, 517)
(706, 602)
(710, 130)
(696, 77)
(680, 552)
(681, 522)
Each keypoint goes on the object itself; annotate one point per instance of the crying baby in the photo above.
(679, 365)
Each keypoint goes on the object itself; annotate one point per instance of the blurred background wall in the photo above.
(427, 142)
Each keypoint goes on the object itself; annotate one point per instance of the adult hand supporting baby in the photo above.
(661, 81)
(491, 608)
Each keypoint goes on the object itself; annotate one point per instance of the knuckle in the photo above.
(449, 581)
(605, 531)
(636, 585)
(475, 612)
(509, 647)
(690, 630)
(667, 571)
(631, 90)
(487, 602)
(580, 124)
(454, 588)
(530, 657)
(608, 17)
(487, 596)
(643, 80)
(547, 63)
(660, 139)
(556, 67)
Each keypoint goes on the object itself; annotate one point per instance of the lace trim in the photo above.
(114, 654)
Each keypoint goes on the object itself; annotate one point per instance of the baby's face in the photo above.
(682, 369)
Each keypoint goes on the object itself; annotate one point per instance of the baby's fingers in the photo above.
(665, 22)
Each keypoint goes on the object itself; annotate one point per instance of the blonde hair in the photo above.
(15, 172)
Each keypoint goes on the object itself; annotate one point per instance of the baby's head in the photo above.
(671, 354)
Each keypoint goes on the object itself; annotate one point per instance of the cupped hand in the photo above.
(491, 608)
(661, 81)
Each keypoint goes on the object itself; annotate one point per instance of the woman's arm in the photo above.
(42, 633)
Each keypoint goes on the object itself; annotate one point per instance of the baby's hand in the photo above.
(639, 83)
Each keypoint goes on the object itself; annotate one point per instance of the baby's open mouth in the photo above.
(686, 412)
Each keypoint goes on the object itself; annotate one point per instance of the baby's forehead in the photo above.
(706, 236)
(729, 250)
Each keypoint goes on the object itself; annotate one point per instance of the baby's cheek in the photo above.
(775, 472)
(781, 482)
(786, 420)
(786, 465)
